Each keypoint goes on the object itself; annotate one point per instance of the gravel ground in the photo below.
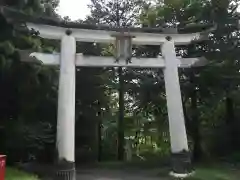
(101, 173)
(96, 174)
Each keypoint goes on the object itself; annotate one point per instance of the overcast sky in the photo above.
(75, 9)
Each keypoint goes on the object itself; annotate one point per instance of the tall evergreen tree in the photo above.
(28, 91)
(221, 50)
(118, 13)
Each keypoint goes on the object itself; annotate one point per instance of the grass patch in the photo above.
(218, 172)
(14, 174)
(207, 172)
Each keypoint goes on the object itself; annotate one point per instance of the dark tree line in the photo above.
(121, 108)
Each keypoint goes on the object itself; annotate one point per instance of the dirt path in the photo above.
(95, 173)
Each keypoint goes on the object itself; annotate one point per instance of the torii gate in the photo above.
(68, 59)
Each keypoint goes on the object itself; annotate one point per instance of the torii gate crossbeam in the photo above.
(102, 61)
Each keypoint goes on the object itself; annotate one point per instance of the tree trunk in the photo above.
(197, 150)
(121, 117)
(229, 110)
(187, 120)
(99, 140)
(230, 122)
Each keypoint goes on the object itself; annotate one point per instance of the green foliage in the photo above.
(28, 94)
(206, 119)
(115, 13)
(14, 174)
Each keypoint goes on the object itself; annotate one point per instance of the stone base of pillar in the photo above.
(65, 171)
(181, 163)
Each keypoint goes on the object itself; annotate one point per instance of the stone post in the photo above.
(179, 145)
(66, 110)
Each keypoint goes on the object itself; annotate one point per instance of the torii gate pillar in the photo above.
(181, 161)
(66, 110)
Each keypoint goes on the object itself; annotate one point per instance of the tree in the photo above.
(28, 91)
(117, 13)
(221, 50)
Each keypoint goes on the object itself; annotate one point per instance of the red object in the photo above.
(2, 166)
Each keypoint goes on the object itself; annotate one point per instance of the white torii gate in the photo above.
(68, 59)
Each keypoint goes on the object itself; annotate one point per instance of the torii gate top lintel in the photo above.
(54, 29)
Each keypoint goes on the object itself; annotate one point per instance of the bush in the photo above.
(28, 141)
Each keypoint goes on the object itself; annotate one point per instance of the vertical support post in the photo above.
(179, 145)
(66, 110)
